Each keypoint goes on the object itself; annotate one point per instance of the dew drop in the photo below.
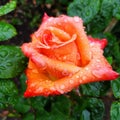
(98, 60)
(80, 81)
(84, 77)
(65, 57)
(76, 19)
(29, 90)
(92, 44)
(50, 19)
(96, 73)
(71, 81)
(59, 23)
(60, 89)
(52, 88)
(77, 76)
(39, 89)
(62, 86)
(78, 56)
(65, 20)
(3, 53)
(32, 85)
(87, 68)
(65, 73)
(54, 22)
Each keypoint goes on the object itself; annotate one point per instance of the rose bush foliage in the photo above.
(62, 57)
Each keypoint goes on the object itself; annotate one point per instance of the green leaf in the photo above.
(29, 116)
(94, 89)
(23, 83)
(53, 108)
(10, 6)
(86, 9)
(102, 19)
(85, 115)
(22, 105)
(8, 92)
(115, 111)
(7, 31)
(116, 9)
(92, 107)
(12, 61)
(108, 10)
(7, 87)
(110, 59)
(115, 84)
(49, 1)
(59, 112)
(22, 108)
(113, 48)
(107, 7)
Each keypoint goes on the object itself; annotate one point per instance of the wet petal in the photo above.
(101, 42)
(97, 70)
(62, 35)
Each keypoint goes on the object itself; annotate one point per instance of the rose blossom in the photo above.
(61, 57)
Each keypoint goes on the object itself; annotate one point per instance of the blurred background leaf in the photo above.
(96, 89)
(8, 92)
(86, 9)
(115, 111)
(7, 31)
(8, 7)
(12, 61)
(115, 84)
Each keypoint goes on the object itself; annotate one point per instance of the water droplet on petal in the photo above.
(80, 81)
(59, 23)
(32, 85)
(96, 73)
(98, 60)
(65, 73)
(78, 56)
(52, 88)
(87, 68)
(92, 44)
(62, 86)
(76, 19)
(39, 89)
(77, 76)
(83, 77)
(71, 81)
(65, 20)
(60, 89)
(50, 19)
(65, 57)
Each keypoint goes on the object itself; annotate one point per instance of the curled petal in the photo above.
(72, 25)
(102, 42)
(97, 70)
(54, 67)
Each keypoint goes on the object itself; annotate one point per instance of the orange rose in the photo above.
(61, 57)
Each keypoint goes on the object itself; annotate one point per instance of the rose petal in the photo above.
(102, 42)
(54, 67)
(62, 35)
(72, 25)
(97, 70)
